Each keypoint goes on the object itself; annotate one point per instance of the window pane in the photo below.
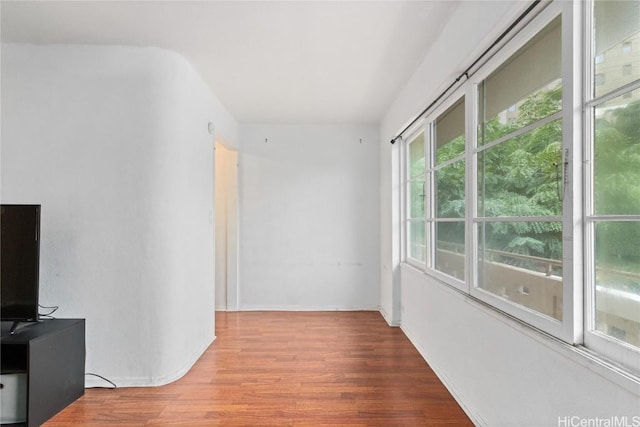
(416, 237)
(450, 133)
(522, 176)
(522, 263)
(450, 150)
(617, 44)
(617, 156)
(450, 190)
(415, 162)
(416, 199)
(527, 88)
(617, 293)
(450, 248)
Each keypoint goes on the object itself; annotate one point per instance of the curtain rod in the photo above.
(465, 73)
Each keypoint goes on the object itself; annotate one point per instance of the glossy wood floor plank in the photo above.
(286, 369)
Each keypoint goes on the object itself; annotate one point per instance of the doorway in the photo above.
(226, 228)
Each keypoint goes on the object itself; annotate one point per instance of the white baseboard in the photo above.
(444, 379)
(307, 308)
(93, 381)
(388, 318)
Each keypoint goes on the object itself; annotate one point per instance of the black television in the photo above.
(19, 262)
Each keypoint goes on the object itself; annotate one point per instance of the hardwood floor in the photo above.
(287, 368)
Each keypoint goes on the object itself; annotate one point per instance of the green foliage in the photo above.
(521, 177)
(627, 121)
(416, 171)
(450, 150)
(617, 188)
(540, 105)
(617, 162)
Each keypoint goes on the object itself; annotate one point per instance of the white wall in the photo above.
(309, 217)
(502, 373)
(113, 142)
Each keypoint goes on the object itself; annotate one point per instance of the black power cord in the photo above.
(48, 315)
(113, 385)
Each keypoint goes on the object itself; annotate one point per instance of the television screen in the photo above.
(19, 262)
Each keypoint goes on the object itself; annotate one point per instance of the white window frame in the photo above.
(412, 134)
(577, 326)
(430, 172)
(568, 329)
(618, 351)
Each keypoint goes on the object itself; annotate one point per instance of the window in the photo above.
(613, 201)
(518, 223)
(615, 30)
(435, 195)
(415, 196)
(523, 188)
(446, 173)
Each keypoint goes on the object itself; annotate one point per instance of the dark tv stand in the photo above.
(52, 355)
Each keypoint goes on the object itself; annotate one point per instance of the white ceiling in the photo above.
(267, 61)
